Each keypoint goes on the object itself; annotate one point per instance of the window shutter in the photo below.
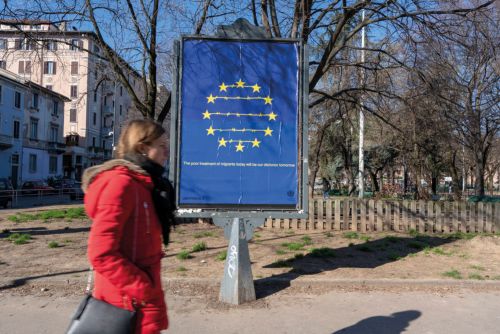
(21, 67)
(54, 63)
(27, 66)
(80, 44)
(17, 44)
(74, 68)
(46, 67)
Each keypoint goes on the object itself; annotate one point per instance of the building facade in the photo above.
(31, 130)
(71, 63)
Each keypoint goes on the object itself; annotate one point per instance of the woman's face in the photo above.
(158, 150)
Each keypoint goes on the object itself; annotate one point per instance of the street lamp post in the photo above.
(361, 170)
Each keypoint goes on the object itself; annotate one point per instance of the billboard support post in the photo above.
(237, 285)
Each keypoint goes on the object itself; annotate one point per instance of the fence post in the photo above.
(480, 217)
(371, 215)
(329, 218)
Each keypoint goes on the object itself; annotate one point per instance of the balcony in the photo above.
(56, 147)
(73, 139)
(95, 153)
(107, 111)
(5, 142)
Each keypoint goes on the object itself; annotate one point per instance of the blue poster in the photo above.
(239, 123)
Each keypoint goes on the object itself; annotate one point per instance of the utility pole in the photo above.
(361, 170)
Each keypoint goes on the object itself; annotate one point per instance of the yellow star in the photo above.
(210, 131)
(206, 115)
(223, 87)
(239, 147)
(272, 116)
(268, 132)
(222, 142)
(240, 84)
(255, 143)
(256, 88)
(268, 100)
(211, 99)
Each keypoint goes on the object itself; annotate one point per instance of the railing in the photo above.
(351, 214)
(5, 141)
(23, 198)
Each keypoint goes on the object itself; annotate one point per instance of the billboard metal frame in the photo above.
(233, 211)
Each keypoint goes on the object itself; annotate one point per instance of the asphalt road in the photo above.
(334, 312)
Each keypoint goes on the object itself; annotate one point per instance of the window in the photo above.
(74, 68)
(121, 90)
(32, 163)
(0, 94)
(3, 44)
(49, 87)
(105, 100)
(55, 108)
(93, 141)
(17, 100)
(96, 49)
(51, 45)
(15, 159)
(53, 165)
(95, 73)
(54, 129)
(23, 44)
(74, 91)
(34, 128)
(35, 100)
(49, 67)
(72, 115)
(3, 64)
(16, 129)
(103, 144)
(120, 109)
(94, 118)
(95, 96)
(76, 44)
(24, 67)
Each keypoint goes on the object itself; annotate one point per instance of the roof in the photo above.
(30, 84)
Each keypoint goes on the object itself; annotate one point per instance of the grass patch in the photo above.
(351, 235)
(393, 239)
(290, 232)
(476, 276)
(496, 278)
(440, 251)
(323, 252)
(54, 244)
(181, 269)
(68, 214)
(461, 235)
(413, 233)
(329, 234)
(394, 257)
(221, 256)
(184, 255)
(293, 246)
(199, 247)
(298, 256)
(256, 235)
(19, 238)
(365, 238)
(280, 252)
(479, 268)
(453, 274)
(205, 234)
(306, 240)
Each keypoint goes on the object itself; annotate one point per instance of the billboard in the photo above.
(239, 124)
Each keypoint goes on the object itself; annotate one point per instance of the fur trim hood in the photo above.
(90, 173)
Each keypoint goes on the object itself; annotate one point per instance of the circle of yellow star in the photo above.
(223, 87)
(268, 132)
(256, 88)
(211, 99)
(255, 143)
(272, 116)
(240, 84)
(210, 131)
(239, 147)
(222, 142)
(268, 100)
(206, 115)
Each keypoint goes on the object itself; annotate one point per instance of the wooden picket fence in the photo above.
(363, 215)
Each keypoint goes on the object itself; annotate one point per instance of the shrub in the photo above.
(184, 255)
(199, 247)
(222, 256)
(53, 244)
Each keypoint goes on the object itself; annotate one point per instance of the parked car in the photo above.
(6, 192)
(76, 192)
(36, 187)
(64, 185)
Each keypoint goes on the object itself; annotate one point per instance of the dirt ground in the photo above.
(274, 254)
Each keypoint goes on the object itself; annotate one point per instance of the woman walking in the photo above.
(131, 207)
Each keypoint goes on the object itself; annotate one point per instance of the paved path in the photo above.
(334, 312)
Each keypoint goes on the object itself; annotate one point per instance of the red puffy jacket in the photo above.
(125, 246)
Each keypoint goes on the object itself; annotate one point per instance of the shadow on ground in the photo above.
(370, 254)
(43, 231)
(22, 281)
(396, 323)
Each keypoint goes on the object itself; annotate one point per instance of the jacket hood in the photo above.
(90, 173)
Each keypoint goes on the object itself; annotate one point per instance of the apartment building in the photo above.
(70, 63)
(31, 130)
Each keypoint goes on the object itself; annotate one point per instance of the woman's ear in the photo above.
(142, 148)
